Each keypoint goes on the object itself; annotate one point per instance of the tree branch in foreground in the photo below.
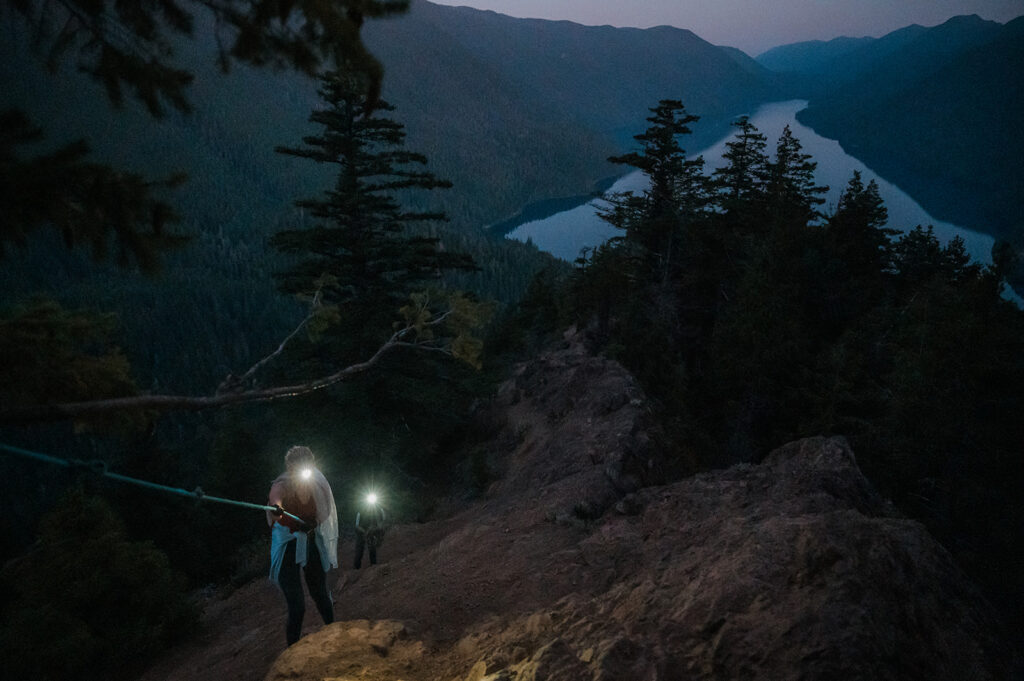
(162, 403)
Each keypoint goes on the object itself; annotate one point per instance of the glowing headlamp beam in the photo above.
(371, 498)
(306, 473)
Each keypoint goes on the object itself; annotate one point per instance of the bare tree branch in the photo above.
(234, 383)
(163, 403)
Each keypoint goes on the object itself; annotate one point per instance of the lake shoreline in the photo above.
(541, 210)
(562, 233)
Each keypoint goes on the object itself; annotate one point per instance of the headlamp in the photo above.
(306, 473)
(371, 499)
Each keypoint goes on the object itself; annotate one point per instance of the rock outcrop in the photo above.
(583, 431)
(576, 567)
(793, 569)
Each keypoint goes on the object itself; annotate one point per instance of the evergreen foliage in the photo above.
(132, 44)
(780, 322)
(46, 350)
(86, 602)
(362, 260)
(364, 250)
(214, 310)
(744, 176)
(793, 197)
(752, 317)
(83, 200)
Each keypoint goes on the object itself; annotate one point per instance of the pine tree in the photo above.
(364, 256)
(856, 254)
(742, 180)
(858, 228)
(677, 193)
(792, 193)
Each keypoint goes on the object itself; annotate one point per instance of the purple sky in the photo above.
(756, 25)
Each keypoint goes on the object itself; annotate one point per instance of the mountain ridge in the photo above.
(579, 71)
(581, 563)
(937, 117)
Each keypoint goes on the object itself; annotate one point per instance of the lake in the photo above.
(565, 233)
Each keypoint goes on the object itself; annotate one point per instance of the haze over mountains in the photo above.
(515, 111)
(935, 110)
(511, 111)
(753, 328)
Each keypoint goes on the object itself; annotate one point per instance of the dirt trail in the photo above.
(576, 567)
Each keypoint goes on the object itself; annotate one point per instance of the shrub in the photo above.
(85, 602)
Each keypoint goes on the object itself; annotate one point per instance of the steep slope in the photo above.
(499, 147)
(599, 77)
(811, 56)
(512, 111)
(940, 118)
(819, 68)
(574, 566)
(749, 64)
(486, 98)
(887, 67)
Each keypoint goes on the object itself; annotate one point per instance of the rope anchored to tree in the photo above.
(100, 468)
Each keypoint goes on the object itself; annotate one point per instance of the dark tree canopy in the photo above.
(366, 253)
(793, 195)
(132, 46)
(781, 323)
(86, 202)
(656, 220)
(362, 245)
(744, 176)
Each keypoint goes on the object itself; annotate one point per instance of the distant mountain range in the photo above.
(812, 57)
(512, 111)
(518, 111)
(524, 108)
(938, 111)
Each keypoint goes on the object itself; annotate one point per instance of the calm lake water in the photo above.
(565, 233)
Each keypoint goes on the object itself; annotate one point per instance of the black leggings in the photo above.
(361, 546)
(316, 582)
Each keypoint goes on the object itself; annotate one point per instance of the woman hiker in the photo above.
(310, 544)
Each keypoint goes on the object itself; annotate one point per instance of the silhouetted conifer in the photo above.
(676, 195)
(742, 180)
(793, 195)
(363, 254)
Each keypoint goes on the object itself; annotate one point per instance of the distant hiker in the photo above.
(369, 530)
(312, 544)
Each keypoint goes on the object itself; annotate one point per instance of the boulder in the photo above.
(582, 564)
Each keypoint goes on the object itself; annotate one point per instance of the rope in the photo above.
(100, 468)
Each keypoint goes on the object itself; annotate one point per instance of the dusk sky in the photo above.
(756, 25)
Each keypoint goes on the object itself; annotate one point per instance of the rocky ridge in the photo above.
(579, 565)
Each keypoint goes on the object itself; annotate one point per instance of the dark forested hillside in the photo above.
(754, 317)
(940, 117)
(332, 280)
(597, 77)
(898, 59)
(812, 56)
(816, 68)
(509, 111)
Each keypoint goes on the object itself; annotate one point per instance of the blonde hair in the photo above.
(298, 455)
